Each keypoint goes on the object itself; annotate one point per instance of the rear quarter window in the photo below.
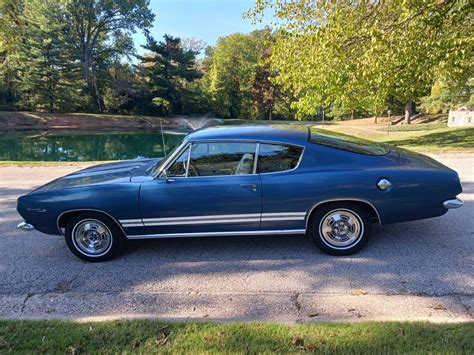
(275, 157)
(346, 142)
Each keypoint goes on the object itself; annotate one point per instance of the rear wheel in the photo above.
(341, 228)
(93, 237)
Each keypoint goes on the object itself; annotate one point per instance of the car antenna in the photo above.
(162, 137)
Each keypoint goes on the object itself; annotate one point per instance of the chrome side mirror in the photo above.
(166, 176)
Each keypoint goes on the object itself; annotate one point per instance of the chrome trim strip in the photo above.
(255, 158)
(130, 220)
(284, 214)
(88, 210)
(188, 160)
(343, 199)
(217, 234)
(132, 225)
(187, 218)
(244, 140)
(283, 219)
(207, 221)
(455, 203)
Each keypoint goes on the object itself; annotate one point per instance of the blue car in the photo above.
(244, 181)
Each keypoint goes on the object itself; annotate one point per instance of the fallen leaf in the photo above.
(439, 307)
(358, 292)
(162, 340)
(297, 341)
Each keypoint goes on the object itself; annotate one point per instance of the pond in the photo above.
(87, 146)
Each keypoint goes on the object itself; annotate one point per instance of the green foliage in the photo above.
(123, 91)
(356, 55)
(46, 75)
(103, 30)
(169, 68)
(232, 73)
(240, 81)
(445, 96)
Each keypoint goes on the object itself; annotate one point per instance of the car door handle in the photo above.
(252, 187)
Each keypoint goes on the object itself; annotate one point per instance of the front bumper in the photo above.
(455, 203)
(25, 226)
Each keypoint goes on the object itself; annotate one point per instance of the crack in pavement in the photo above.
(297, 304)
(23, 305)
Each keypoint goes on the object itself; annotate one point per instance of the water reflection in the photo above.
(87, 146)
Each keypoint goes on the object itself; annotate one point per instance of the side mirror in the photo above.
(166, 176)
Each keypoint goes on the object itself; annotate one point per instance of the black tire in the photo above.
(327, 241)
(106, 224)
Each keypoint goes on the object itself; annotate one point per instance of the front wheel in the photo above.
(93, 237)
(341, 228)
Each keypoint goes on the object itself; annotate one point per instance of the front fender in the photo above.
(42, 209)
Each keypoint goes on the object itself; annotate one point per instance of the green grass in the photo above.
(430, 140)
(416, 127)
(451, 139)
(151, 336)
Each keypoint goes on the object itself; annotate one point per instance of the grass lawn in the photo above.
(152, 336)
(434, 138)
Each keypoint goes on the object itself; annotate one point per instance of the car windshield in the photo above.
(346, 142)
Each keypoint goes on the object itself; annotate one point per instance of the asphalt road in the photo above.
(416, 270)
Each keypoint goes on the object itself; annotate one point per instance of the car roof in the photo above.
(289, 135)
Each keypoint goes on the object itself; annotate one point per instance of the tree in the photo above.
(10, 26)
(168, 69)
(103, 28)
(357, 54)
(123, 92)
(46, 74)
(233, 67)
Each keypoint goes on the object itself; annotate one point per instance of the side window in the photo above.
(178, 168)
(226, 158)
(274, 157)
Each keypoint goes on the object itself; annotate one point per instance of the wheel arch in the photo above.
(65, 216)
(367, 204)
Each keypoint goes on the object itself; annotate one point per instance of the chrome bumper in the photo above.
(25, 226)
(456, 203)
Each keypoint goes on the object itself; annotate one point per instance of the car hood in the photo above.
(102, 174)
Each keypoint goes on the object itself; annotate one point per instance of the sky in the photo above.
(202, 19)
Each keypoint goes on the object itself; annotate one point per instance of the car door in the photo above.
(211, 188)
(283, 207)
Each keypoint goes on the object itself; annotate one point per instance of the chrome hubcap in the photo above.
(92, 237)
(341, 228)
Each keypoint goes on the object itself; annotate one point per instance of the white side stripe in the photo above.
(226, 216)
(216, 234)
(282, 219)
(130, 220)
(207, 221)
(215, 219)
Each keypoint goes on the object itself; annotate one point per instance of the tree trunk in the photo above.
(89, 78)
(352, 114)
(376, 118)
(408, 111)
(270, 113)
